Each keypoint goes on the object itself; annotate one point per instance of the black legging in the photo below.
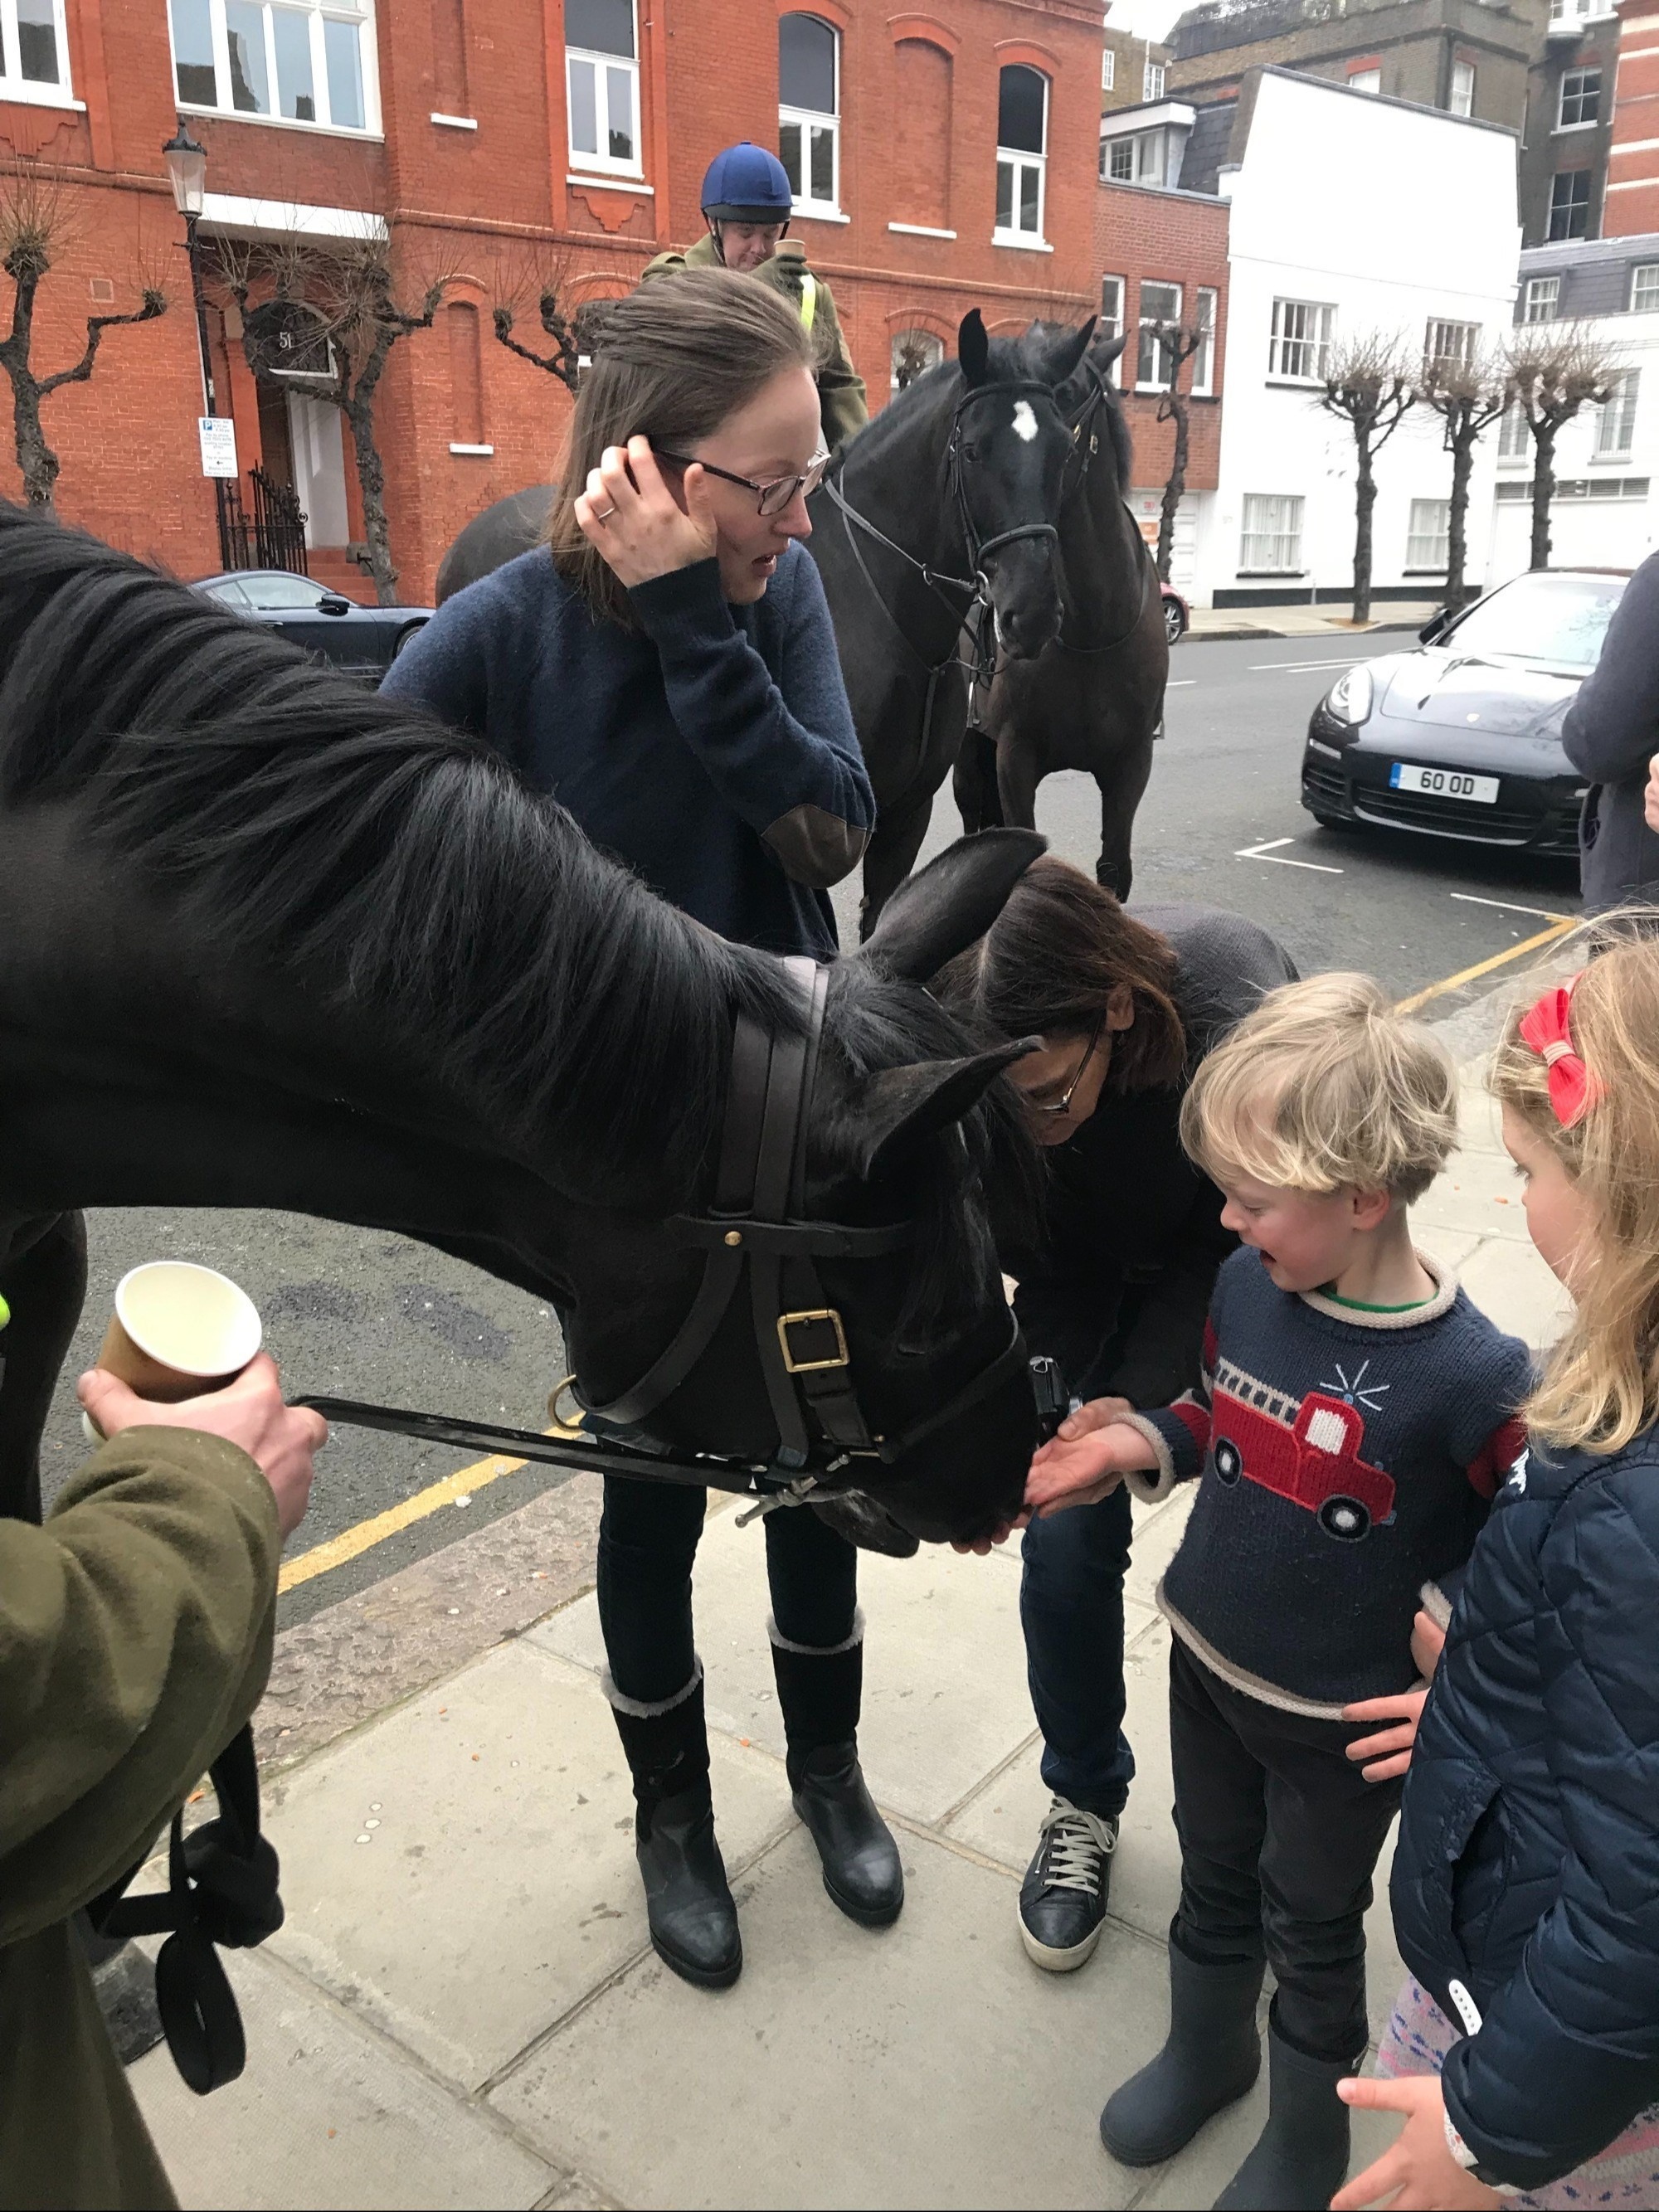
(648, 1535)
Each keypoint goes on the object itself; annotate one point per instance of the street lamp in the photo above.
(187, 173)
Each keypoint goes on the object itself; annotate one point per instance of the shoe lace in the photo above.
(1077, 1843)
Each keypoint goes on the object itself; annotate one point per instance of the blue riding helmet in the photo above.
(745, 184)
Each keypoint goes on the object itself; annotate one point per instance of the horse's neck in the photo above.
(900, 483)
(1102, 557)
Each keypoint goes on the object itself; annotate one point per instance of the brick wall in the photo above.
(1171, 238)
(1632, 202)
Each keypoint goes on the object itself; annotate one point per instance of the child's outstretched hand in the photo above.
(1389, 1752)
(1086, 1461)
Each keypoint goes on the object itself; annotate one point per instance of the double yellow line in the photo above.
(1485, 967)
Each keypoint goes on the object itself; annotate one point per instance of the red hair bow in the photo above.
(1573, 1089)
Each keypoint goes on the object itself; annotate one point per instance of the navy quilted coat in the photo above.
(1525, 1883)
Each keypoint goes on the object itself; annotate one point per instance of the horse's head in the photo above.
(902, 1341)
(1011, 439)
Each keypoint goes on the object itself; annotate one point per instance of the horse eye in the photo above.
(971, 453)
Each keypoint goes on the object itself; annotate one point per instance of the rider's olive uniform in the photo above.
(841, 388)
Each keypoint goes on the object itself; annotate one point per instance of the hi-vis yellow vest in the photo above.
(809, 297)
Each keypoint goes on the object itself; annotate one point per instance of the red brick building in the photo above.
(943, 159)
(1630, 205)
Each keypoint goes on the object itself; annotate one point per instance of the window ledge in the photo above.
(42, 95)
(1295, 383)
(1256, 575)
(1021, 245)
(1567, 129)
(1152, 391)
(594, 181)
(483, 451)
(455, 122)
(283, 123)
(800, 214)
(919, 230)
(1439, 573)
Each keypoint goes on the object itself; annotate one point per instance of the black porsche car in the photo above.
(363, 642)
(1461, 738)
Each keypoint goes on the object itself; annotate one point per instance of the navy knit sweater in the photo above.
(713, 749)
(1348, 1459)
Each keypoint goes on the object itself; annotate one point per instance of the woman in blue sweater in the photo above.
(665, 665)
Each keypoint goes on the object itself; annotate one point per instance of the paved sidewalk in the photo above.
(1308, 622)
(463, 2008)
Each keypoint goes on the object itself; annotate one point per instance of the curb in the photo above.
(1258, 630)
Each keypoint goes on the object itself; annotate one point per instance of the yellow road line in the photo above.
(351, 1542)
(1485, 966)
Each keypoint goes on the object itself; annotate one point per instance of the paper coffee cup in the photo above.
(178, 1330)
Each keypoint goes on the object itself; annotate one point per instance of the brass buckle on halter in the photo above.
(842, 1356)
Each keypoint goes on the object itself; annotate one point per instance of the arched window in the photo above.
(915, 352)
(809, 112)
(1022, 154)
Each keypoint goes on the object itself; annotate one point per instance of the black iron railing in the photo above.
(272, 537)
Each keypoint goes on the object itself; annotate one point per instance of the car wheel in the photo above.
(1174, 628)
(413, 629)
(1229, 1461)
(1345, 1519)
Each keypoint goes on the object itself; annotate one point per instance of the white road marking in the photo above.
(1545, 913)
(1263, 668)
(1183, 684)
(1025, 425)
(1265, 852)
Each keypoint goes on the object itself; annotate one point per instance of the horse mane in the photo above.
(296, 818)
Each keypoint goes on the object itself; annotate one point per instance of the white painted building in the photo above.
(1350, 214)
(1606, 458)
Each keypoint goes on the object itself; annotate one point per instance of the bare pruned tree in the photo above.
(1468, 395)
(539, 283)
(1554, 370)
(1369, 380)
(37, 230)
(1176, 344)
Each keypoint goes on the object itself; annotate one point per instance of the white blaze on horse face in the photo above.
(1025, 425)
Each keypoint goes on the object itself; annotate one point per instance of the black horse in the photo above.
(498, 533)
(950, 501)
(266, 939)
(1093, 699)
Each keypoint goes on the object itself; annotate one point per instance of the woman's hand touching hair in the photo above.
(627, 512)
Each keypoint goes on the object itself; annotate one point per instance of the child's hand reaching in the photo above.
(1093, 1451)
(1389, 1752)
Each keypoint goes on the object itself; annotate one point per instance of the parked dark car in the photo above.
(360, 641)
(1177, 615)
(1462, 738)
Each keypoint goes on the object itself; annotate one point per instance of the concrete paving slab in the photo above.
(1209, 2161)
(1451, 1247)
(1479, 1120)
(1510, 1283)
(498, 1885)
(920, 2066)
(1156, 1539)
(945, 1697)
(1475, 1192)
(328, 2114)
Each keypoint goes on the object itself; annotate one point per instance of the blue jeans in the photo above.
(1071, 1607)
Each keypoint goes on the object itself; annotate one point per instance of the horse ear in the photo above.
(973, 347)
(951, 903)
(1108, 351)
(1067, 352)
(898, 1109)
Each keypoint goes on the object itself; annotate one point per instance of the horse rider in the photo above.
(747, 204)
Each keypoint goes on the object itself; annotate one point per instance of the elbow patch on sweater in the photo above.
(816, 847)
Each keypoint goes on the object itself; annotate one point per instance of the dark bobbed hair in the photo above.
(674, 359)
(1050, 962)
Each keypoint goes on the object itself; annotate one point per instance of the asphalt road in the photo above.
(369, 1315)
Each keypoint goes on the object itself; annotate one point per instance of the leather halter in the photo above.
(754, 1226)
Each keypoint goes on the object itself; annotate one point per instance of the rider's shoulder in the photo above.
(663, 265)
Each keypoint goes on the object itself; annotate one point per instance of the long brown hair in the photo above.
(676, 358)
(1050, 962)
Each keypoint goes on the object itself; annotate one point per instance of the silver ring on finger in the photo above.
(603, 516)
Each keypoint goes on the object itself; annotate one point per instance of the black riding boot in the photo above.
(820, 1693)
(1301, 2156)
(1212, 2057)
(693, 1922)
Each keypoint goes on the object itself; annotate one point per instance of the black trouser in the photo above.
(648, 1535)
(1280, 1834)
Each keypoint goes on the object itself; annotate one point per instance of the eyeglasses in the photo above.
(769, 498)
(1063, 1104)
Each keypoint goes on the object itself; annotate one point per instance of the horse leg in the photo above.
(1017, 783)
(974, 783)
(43, 1279)
(1118, 802)
(891, 854)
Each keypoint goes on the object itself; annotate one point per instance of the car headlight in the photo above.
(1349, 699)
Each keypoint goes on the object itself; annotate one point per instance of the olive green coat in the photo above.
(135, 1639)
(841, 388)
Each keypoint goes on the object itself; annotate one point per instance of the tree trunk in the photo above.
(1458, 518)
(36, 458)
(1176, 406)
(1543, 491)
(1365, 499)
(371, 479)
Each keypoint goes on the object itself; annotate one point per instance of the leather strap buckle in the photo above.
(813, 1316)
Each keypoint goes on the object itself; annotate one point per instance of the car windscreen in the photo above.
(1558, 620)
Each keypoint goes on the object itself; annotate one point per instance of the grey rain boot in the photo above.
(1301, 2156)
(820, 1692)
(688, 1902)
(1212, 2059)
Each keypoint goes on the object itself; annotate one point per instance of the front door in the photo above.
(314, 427)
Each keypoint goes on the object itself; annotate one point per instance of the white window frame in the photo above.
(1152, 77)
(1367, 81)
(1204, 359)
(1638, 305)
(14, 85)
(1615, 419)
(600, 163)
(1159, 381)
(1539, 290)
(1427, 551)
(1449, 340)
(1589, 69)
(1286, 346)
(320, 11)
(1460, 98)
(1019, 161)
(810, 120)
(1282, 534)
(1108, 69)
(1112, 324)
